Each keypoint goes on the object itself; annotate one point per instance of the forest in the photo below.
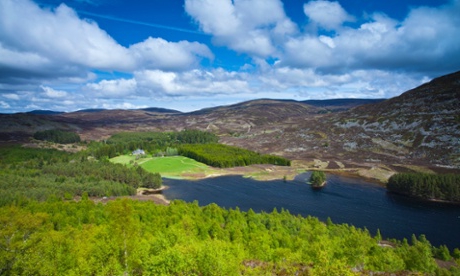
(223, 156)
(49, 225)
(43, 173)
(426, 186)
(152, 142)
(57, 136)
(127, 237)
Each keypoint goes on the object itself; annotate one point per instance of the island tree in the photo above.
(318, 179)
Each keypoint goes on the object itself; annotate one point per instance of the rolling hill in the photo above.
(419, 127)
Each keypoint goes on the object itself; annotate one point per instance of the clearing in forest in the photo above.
(168, 166)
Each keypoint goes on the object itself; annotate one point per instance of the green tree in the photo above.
(317, 178)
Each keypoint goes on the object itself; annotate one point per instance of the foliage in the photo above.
(57, 136)
(42, 174)
(223, 156)
(13, 155)
(140, 238)
(426, 186)
(317, 178)
(159, 143)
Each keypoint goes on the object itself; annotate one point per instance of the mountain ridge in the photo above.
(419, 127)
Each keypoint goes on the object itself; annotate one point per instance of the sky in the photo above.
(192, 54)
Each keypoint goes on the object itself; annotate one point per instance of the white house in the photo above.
(139, 152)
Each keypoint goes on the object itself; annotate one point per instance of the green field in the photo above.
(172, 166)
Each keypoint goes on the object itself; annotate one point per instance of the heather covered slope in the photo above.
(423, 123)
(420, 127)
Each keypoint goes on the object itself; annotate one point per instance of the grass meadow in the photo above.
(168, 166)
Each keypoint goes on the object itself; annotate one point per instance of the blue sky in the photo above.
(192, 54)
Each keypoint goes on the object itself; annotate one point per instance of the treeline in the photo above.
(57, 136)
(127, 237)
(164, 139)
(426, 186)
(223, 156)
(126, 142)
(135, 178)
(43, 173)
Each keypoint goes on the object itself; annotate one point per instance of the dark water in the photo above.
(344, 200)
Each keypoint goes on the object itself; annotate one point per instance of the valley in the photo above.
(48, 185)
(417, 131)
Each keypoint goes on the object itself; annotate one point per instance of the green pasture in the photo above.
(168, 166)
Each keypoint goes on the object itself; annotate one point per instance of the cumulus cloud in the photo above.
(425, 41)
(55, 43)
(52, 58)
(245, 26)
(327, 15)
(57, 35)
(4, 105)
(52, 93)
(157, 53)
(190, 83)
(117, 88)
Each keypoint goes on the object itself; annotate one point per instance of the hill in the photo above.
(420, 127)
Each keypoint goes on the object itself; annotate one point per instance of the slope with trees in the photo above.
(43, 173)
(126, 237)
(426, 186)
(223, 156)
(57, 136)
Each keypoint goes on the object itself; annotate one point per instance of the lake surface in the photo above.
(344, 200)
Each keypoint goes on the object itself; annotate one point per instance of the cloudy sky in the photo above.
(187, 55)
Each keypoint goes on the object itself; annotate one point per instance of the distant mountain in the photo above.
(92, 110)
(160, 110)
(419, 127)
(44, 112)
(336, 105)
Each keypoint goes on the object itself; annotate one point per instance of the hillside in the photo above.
(419, 127)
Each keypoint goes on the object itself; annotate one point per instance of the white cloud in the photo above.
(51, 58)
(190, 83)
(58, 36)
(55, 43)
(11, 96)
(116, 88)
(326, 14)
(157, 53)
(244, 26)
(52, 93)
(426, 41)
(4, 105)
(123, 105)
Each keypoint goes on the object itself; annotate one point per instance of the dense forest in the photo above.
(57, 136)
(223, 156)
(50, 226)
(44, 173)
(426, 186)
(126, 237)
(152, 142)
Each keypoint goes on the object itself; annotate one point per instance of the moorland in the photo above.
(52, 165)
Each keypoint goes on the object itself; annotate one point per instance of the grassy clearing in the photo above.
(123, 159)
(171, 166)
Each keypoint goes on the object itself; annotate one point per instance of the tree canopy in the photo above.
(126, 237)
(317, 178)
(57, 136)
(223, 156)
(426, 186)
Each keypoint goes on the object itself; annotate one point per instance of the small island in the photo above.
(317, 179)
